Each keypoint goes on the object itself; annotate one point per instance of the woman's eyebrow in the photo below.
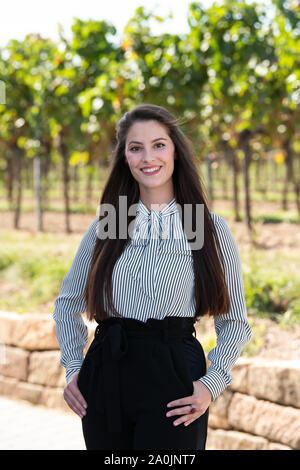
(154, 140)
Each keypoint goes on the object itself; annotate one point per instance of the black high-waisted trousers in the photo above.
(131, 371)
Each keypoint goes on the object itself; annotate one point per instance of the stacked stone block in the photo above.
(259, 411)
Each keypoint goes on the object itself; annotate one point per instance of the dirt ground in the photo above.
(278, 343)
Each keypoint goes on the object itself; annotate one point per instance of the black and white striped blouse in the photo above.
(156, 268)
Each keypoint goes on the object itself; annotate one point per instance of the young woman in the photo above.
(143, 383)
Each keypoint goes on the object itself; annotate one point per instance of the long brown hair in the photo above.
(211, 291)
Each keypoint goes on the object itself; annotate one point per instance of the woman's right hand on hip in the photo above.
(74, 398)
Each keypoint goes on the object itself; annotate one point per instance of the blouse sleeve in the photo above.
(232, 329)
(71, 331)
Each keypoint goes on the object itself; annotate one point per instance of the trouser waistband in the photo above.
(167, 327)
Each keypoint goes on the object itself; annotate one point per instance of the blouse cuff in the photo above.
(72, 368)
(214, 381)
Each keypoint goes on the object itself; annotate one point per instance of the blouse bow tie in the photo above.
(153, 230)
(151, 226)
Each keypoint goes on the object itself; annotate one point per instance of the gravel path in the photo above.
(29, 427)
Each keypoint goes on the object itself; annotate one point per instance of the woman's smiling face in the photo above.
(149, 147)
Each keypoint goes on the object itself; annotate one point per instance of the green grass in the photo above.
(290, 216)
(272, 285)
(258, 332)
(280, 216)
(75, 208)
(32, 268)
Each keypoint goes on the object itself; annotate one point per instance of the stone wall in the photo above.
(259, 411)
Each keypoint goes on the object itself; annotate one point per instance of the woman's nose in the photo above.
(147, 155)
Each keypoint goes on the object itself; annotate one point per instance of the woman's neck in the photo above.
(156, 204)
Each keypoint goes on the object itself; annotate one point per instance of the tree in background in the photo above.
(233, 80)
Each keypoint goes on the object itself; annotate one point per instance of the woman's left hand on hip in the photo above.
(200, 401)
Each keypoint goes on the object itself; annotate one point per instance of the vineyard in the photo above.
(233, 81)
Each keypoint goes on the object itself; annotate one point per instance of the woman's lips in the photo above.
(151, 172)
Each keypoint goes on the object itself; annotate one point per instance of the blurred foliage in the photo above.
(236, 68)
(258, 331)
(272, 285)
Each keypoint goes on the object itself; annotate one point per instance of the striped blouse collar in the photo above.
(153, 222)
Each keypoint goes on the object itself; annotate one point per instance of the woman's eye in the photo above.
(133, 149)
